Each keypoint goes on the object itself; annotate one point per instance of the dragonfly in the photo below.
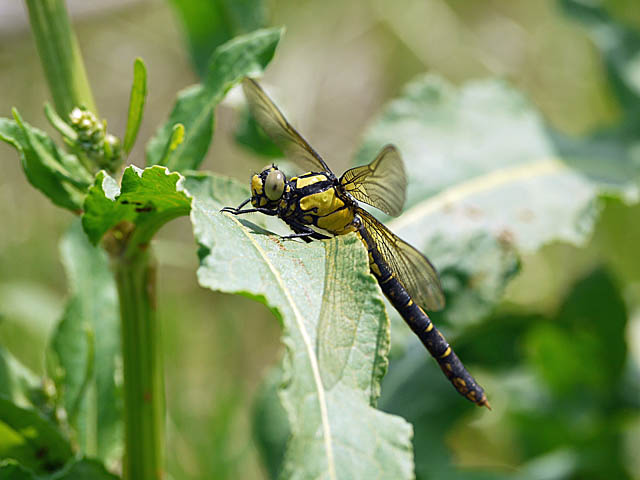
(317, 204)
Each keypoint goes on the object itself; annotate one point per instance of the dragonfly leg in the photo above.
(238, 210)
(304, 232)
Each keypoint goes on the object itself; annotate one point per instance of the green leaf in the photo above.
(587, 338)
(489, 179)
(31, 439)
(16, 381)
(271, 430)
(193, 110)
(177, 137)
(577, 356)
(84, 469)
(63, 128)
(77, 470)
(146, 200)
(86, 344)
(10, 470)
(250, 135)
(415, 390)
(240, 57)
(620, 45)
(57, 174)
(208, 24)
(335, 431)
(136, 104)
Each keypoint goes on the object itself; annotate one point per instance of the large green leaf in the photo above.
(487, 178)
(246, 55)
(210, 23)
(31, 439)
(564, 390)
(57, 174)
(86, 344)
(146, 200)
(335, 431)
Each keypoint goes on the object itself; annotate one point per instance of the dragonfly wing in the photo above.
(272, 121)
(381, 184)
(410, 267)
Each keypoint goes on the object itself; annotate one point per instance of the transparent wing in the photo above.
(381, 184)
(410, 267)
(270, 118)
(340, 314)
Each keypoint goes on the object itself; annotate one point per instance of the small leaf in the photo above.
(146, 200)
(16, 381)
(136, 104)
(211, 23)
(31, 439)
(335, 431)
(63, 128)
(242, 56)
(193, 110)
(57, 174)
(177, 137)
(88, 334)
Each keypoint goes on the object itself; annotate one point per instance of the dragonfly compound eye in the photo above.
(274, 185)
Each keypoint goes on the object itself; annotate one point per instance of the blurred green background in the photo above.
(337, 65)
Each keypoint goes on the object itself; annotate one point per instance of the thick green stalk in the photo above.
(143, 374)
(60, 55)
(132, 261)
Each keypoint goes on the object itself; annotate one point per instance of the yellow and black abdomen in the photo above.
(320, 204)
(422, 326)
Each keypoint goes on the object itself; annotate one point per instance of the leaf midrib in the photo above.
(326, 427)
(461, 190)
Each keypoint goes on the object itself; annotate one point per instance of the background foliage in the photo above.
(542, 274)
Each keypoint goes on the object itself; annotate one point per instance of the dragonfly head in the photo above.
(267, 187)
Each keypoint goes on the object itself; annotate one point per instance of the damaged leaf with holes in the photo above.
(145, 200)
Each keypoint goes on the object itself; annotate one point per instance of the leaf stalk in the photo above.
(60, 55)
(135, 275)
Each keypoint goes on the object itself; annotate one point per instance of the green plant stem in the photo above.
(143, 374)
(60, 55)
